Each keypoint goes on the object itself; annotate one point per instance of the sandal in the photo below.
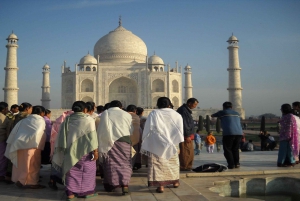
(176, 185)
(160, 190)
(125, 190)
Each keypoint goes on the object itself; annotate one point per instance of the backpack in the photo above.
(211, 167)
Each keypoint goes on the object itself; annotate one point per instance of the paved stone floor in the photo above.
(193, 186)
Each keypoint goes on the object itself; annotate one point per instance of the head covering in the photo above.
(77, 137)
(115, 124)
(27, 134)
(163, 131)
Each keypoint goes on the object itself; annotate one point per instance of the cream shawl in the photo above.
(27, 134)
(77, 137)
(163, 131)
(115, 124)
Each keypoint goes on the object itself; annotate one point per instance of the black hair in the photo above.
(131, 108)
(38, 109)
(89, 106)
(78, 106)
(227, 105)
(163, 102)
(192, 101)
(24, 106)
(286, 108)
(13, 106)
(197, 130)
(3, 105)
(139, 111)
(106, 106)
(47, 112)
(296, 104)
(93, 104)
(115, 103)
(100, 109)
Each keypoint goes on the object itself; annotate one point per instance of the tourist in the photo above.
(4, 131)
(288, 138)
(296, 108)
(56, 176)
(263, 135)
(232, 134)
(91, 106)
(14, 109)
(76, 152)
(210, 141)
(186, 155)
(297, 118)
(114, 133)
(100, 109)
(24, 146)
(144, 158)
(197, 140)
(248, 146)
(135, 137)
(47, 148)
(243, 141)
(162, 133)
(25, 109)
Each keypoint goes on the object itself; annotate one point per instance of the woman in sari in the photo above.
(162, 134)
(288, 137)
(24, 146)
(76, 152)
(114, 133)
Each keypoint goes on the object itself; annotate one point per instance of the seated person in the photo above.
(248, 146)
(271, 143)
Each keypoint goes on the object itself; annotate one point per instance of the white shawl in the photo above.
(115, 123)
(162, 133)
(27, 134)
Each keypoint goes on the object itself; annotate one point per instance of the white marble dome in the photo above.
(154, 59)
(12, 36)
(121, 45)
(232, 38)
(46, 66)
(88, 59)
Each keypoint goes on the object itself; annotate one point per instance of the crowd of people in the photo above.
(112, 141)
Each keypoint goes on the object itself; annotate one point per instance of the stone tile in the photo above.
(192, 198)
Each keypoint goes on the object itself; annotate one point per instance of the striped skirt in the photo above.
(117, 166)
(162, 172)
(81, 179)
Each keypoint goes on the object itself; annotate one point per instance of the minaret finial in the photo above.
(154, 52)
(120, 20)
(232, 33)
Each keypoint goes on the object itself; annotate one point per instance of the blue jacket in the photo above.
(230, 122)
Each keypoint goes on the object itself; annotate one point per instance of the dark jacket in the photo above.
(188, 122)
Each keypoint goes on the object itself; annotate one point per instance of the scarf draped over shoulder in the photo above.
(163, 131)
(77, 137)
(27, 134)
(115, 124)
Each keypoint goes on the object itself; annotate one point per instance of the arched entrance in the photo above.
(124, 90)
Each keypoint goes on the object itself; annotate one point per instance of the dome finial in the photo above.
(120, 21)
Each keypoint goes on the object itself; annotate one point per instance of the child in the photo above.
(197, 140)
(210, 141)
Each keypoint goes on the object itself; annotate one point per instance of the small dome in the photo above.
(12, 36)
(232, 38)
(88, 59)
(154, 59)
(46, 66)
(187, 67)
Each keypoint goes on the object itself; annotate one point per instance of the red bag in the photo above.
(192, 136)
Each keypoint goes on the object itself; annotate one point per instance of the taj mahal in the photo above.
(120, 69)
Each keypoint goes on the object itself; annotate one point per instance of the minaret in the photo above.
(234, 84)
(11, 76)
(188, 83)
(46, 87)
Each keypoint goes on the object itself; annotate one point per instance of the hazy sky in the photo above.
(191, 32)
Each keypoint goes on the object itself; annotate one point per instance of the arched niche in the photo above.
(87, 99)
(87, 86)
(175, 86)
(124, 90)
(158, 86)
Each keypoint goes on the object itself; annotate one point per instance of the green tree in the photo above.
(207, 123)
(200, 123)
(218, 125)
